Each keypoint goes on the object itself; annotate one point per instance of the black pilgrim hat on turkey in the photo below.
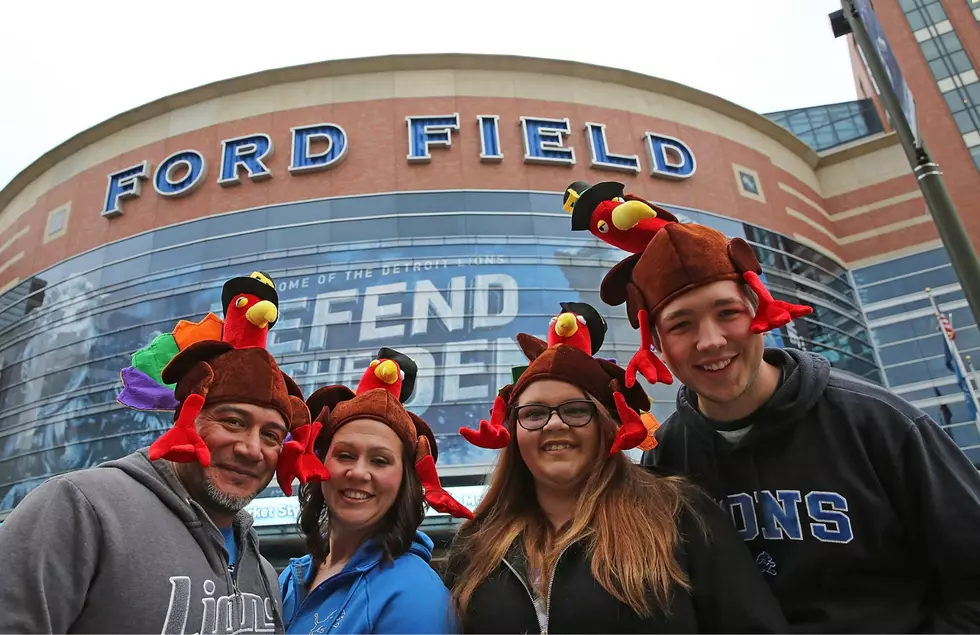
(594, 322)
(586, 199)
(259, 284)
(407, 366)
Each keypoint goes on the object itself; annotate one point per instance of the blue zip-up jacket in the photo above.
(406, 596)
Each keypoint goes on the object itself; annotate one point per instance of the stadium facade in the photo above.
(415, 202)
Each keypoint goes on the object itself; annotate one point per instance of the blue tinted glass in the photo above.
(901, 266)
(452, 290)
(910, 284)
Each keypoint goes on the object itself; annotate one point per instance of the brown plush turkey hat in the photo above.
(224, 374)
(567, 357)
(597, 377)
(214, 372)
(680, 258)
(385, 384)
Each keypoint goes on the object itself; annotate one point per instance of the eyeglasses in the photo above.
(573, 413)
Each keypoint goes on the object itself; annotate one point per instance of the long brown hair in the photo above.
(626, 518)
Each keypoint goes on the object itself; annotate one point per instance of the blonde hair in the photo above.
(626, 518)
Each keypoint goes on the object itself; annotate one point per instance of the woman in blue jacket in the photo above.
(368, 566)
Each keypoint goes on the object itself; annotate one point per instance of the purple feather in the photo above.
(141, 392)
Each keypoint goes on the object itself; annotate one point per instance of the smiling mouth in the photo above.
(556, 446)
(716, 366)
(355, 495)
(237, 471)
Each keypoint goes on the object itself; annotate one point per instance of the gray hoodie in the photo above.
(121, 548)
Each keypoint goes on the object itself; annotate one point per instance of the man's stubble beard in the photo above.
(208, 495)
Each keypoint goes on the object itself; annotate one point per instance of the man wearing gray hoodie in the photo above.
(159, 541)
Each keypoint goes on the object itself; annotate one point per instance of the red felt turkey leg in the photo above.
(438, 498)
(182, 443)
(312, 468)
(771, 313)
(297, 460)
(631, 431)
(288, 467)
(644, 360)
(492, 435)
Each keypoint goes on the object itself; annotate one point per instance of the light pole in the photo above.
(962, 256)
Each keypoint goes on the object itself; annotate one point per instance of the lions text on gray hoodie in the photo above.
(122, 548)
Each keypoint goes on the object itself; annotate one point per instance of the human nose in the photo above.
(710, 336)
(359, 471)
(249, 446)
(554, 421)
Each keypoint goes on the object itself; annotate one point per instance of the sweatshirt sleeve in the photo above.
(942, 500)
(729, 593)
(420, 605)
(49, 551)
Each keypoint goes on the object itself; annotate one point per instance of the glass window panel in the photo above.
(916, 19)
(846, 128)
(950, 42)
(243, 221)
(973, 93)
(940, 68)
(960, 62)
(901, 266)
(964, 121)
(935, 13)
(799, 121)
(178, 234)
(824, 138)
(819, 117)
(808, 138)
(908, 284)
(930, 49)
(956, 100)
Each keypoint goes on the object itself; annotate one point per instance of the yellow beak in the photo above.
(262, 313)
(627, 215)
(387, 371)
(566, 325)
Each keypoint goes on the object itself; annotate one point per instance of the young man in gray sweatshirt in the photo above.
(159, 541)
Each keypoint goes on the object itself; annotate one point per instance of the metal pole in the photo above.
(955, 354)
(962, 256)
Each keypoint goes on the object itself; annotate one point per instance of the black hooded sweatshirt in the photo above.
(862, 513)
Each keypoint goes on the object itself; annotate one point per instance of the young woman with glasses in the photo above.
(572, 536)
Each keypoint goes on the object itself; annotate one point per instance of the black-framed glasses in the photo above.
(576, 413)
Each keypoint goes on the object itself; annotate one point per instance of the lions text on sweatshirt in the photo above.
(121, 548)
(862, 514)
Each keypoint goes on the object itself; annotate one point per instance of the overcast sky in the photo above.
(66, 66)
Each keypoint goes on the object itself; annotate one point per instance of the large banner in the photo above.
(454, 305)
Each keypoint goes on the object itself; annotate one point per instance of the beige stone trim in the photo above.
(48, 237)
(806, 199)
(738, 170)
(885, 229)
(14, 238)
(9, 285)
(11, 262)
(877, 166)
(888, 202)
(812, 223)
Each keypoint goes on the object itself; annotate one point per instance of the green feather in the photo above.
(153, 358)
(517, 371)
